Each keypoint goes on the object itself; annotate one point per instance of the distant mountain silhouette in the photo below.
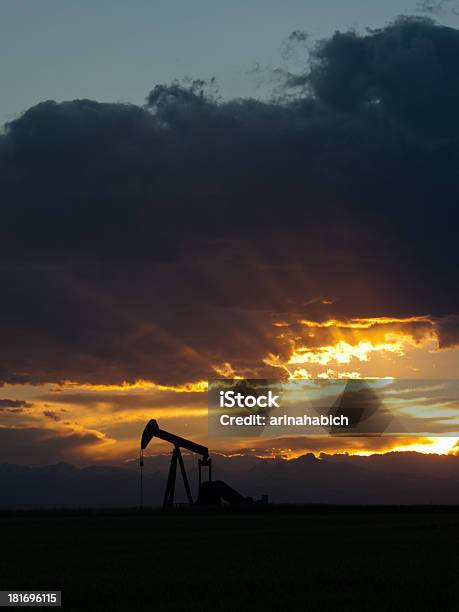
(393, 478)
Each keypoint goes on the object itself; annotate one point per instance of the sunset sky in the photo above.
(295, 218)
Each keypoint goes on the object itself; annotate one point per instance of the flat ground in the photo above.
(279, 559)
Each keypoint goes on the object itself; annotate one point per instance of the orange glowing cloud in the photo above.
(139, 385)
(337, 342)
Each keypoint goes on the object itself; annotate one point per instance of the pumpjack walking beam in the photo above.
(152, 430)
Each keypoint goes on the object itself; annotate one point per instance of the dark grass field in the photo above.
(297, 558)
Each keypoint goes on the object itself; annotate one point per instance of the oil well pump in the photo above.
(209, 492)
(152, 430)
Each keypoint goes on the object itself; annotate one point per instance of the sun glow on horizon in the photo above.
(427, 446)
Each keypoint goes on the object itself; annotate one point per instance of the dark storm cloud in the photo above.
(52, 414)
(111, 401)
(34, 446)
(448, 328)
(12, 404)
(157, 241)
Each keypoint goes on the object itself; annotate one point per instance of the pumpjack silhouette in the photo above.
(209, 492)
